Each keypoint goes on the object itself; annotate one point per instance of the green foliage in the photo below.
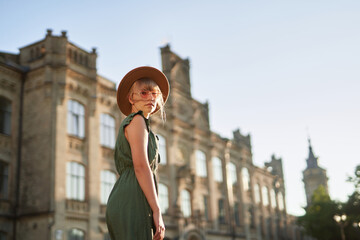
(318, 220)
(356, 178)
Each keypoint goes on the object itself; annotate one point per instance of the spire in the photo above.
(312, 161)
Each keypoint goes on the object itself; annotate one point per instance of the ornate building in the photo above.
(313, 176)
(58, 121)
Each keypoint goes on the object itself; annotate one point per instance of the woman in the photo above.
(133, 211)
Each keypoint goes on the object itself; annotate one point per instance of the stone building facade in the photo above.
(58, 122)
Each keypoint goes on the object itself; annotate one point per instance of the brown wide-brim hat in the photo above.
(138, 73)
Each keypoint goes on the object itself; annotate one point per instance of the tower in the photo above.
(313, 175)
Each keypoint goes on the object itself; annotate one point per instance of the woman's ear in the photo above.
(130, 100)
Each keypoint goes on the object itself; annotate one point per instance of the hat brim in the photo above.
(138, 73)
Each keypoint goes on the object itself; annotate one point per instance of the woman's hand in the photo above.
(159, 225)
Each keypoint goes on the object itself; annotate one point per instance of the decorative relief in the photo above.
(8, 85)
(76, 144)
(5, 144)
(77, 89)
(107, 152)
(77, 206)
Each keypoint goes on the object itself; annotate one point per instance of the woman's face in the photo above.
(143, 98)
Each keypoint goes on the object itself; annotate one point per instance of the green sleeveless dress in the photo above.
(128, 214)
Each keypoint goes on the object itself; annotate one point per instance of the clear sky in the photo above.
(279, 70)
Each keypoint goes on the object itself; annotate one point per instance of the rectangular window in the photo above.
(108, 180)
(221, 211)
(5, 116)
(206, 209)
(4, 178)
(107, 131)
(201, 164)
(237, 214)
(217, 169)
(75, 181)
(75, 121)
(162, 149)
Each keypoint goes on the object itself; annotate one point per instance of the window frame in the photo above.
(107, 130)
(162, 149)
(217, 169)
(76, 118)
(75, 183)
(186, 203)
(201, 167)
(5, 115)
(163, 198)
(106, 185)
(4, 189)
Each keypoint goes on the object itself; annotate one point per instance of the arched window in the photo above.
(4, 179)
(75, 122)
(257, 193)
(107, 130)
(245, 178)
(5, 116)
(217, 169)
(280, 201)
(162, 149)
(163, 197)
(265, 196)
(185, 203)
(76, 234)
(273, 198)
(75, 181)
(231, 172)
(201, 163)
(108, 179)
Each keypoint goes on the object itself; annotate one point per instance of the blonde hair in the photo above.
(150, 85)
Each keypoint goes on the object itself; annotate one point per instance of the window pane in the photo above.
(4, 178)
(185, 203)
(217, 169)
(5, 116)
(245, 178)
(273, 198)
(257, 193)
(162, 149)
(75, 119)
(76, 234)
(221, 211)
(107, 130)
(108, 180)
(75, 181)
(163, 197)
(265, 196)
(206, 211)
(201, 170)
(281, 201)
(237, 213)
(231, 171)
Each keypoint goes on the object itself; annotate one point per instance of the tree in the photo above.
(318, 220)
(352, 208)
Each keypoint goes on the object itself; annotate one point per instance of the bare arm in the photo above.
(137, 136)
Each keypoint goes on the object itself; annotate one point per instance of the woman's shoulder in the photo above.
(137, 118)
